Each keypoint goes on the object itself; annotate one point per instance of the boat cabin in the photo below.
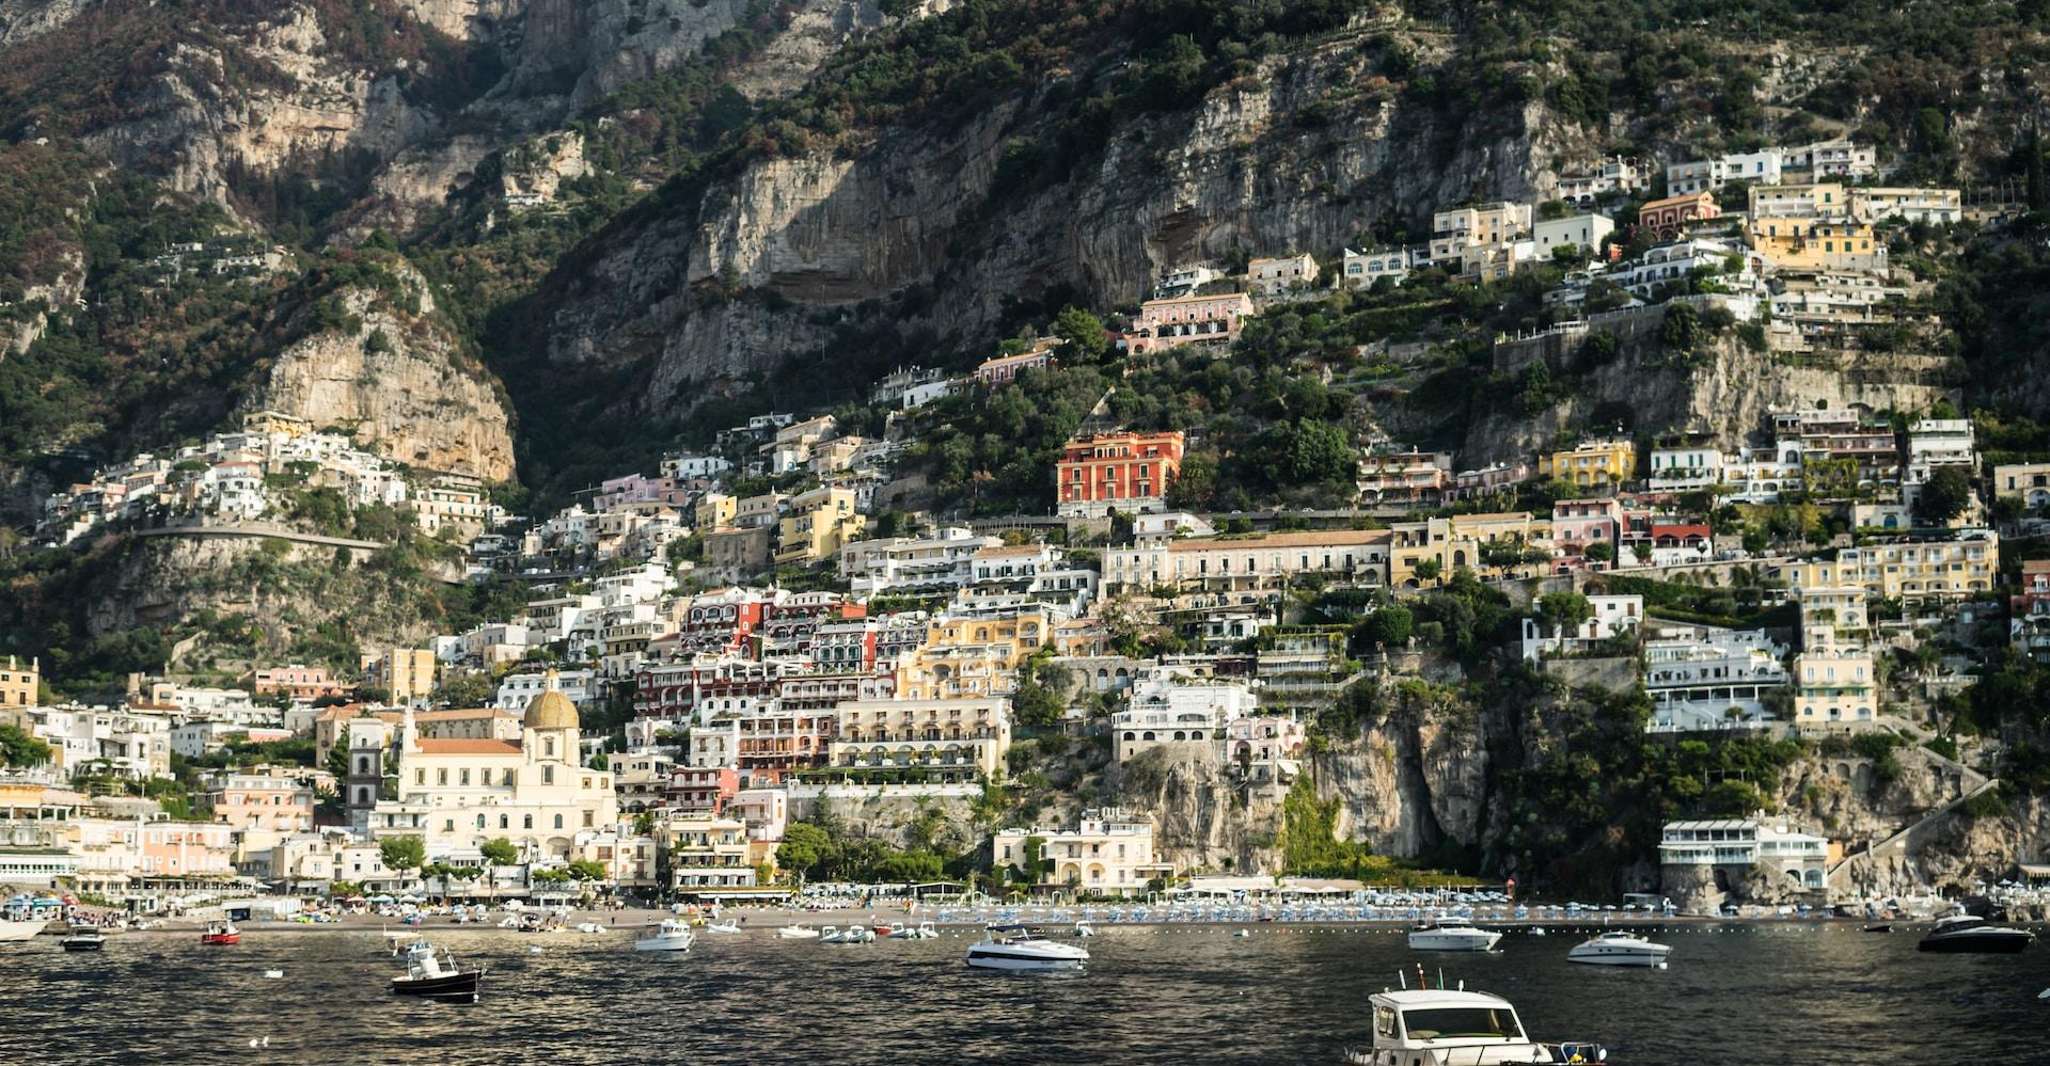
(1425, 1027)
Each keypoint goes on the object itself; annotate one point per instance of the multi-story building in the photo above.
(2028, 612)
(296, 681)
(1838, 157)
(1702, 678)
(973, 657)
(20, 686)
(1736, 847)
(1171, 707)
(1123, 471)
(1608, 461)
(1186, 320)
(2027, 482)
(1361, 270)
(405, 674)
(1245, 564)
(1272, 277)
(1671, 216)
(940, 562)
(706, 852)
(1615, 175)
(1684, 462)
(1865, 443)
(1707, 175)
(1404, 477)
(1835, 687)
(1819, 243)
(1939, 442)
(1938, 206)
(277, 802)
(1959, 567)
(1003, 369)
(1610, 616)
(818, 523)
(957, 739)
(1578, 525)
(1584, 232)
(1489, 225)
(1108, 852)
(1492, 545)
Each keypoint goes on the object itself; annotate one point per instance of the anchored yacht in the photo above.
(1970, 934)
(1618, 948)
(1446, 1026)
(1452, 934)
(1018, 948)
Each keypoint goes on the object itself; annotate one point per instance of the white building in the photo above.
(1939, 442)
(1362, 269)
(1707, 175)
(518, 690)
(1738, 844)
(1584, 231)
(939, 562)
(693, 467)
(1109, 852)
(1685, 464)
(1711, 679)
(1172, 707)
(1612, 616)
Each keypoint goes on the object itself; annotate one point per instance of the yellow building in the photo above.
(973, 657)
(949, 738)
(818, 523)
(406, 673)
(1589, 464)
(1908, 570)
(1502, 544)
(19, 684)
(1834, 689)
(714, 509)
(1818, 243)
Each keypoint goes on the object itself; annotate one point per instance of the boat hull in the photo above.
(1453, 941)
(71, 943)
(220, 938)
(1641, 955)
(17, 931)
(2006, 943)
(459, 987)
(998, 961)
(663, 943)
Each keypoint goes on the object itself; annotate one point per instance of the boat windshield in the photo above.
(1443, 1023)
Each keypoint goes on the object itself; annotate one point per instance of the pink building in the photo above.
(1578, 525)
(702, 789)
(260, 801)
(298, 682)
(1494, 479)
(625, 491)
(1186, 320)
(185, 849)
(1002, 369)
(1407, 477)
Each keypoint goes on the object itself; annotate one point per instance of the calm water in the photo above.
(1170, 995)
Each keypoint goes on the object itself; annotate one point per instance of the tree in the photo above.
(1428, 570)
(1564, 611)
(403, 853)
(1599, 553)
(499, 852)
(1681, 328)
(19, 748)
(471, 689)
(1947, 494)
(588, 870)
(1195, 485)
(1033, 703)
(1318, 452)
(1082, 334)
(1391, 626)
(805, 848)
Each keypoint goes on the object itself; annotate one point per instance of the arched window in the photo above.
(558, 821)
(526, 821)
(480, 821)
(548, 775)
(504, 822)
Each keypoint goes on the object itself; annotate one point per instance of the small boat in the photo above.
(274, 975)
(13, 931)
(535, 949)
(436, 976)
(829, 934)
(1243, 933)
(855, 934)
(1962, 934)
(1015, 947)
(590, 927)
(1084, 929)
(1880, 927)
(797, 932)
(221, 933)
(1447, 1026)
(84, 940)
(1452, 934)
(1620, 949)
(1538, 930)
(671, 935)
(728, 928)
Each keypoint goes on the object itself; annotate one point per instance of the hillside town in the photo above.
(756, 637)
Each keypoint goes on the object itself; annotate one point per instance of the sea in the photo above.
(1792, 992)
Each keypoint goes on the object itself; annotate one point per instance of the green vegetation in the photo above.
(19, 748)
(1310, 847)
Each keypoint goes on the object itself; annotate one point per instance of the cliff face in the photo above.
(940, 211)
(398, 381)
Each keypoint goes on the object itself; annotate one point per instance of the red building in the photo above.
(1669, 216)
(1125, 471)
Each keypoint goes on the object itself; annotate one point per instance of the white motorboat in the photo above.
(722, 927)
(1446, 1026)
(671, 935)
(797, 932)
(1015, 947)
(11, 931)
(1084, 929)
(921, 931)
(592, 927)
(853, 934)
(1617, 948)
(1452, 934)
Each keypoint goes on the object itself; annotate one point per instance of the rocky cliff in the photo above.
(384, 367)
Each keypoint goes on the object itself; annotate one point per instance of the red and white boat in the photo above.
(221, 933)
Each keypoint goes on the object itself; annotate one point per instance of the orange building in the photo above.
(1671, 215)
(1127, 471)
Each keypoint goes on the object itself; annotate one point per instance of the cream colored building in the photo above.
(819, 522)
(1247, 563)
(19, 684)
(706, 851)
(460, 793)
(1108, 852)
(962, 738)
(1835, 687)
(1272, 277)
(1468, 541)
(1909, 570)
(2027, 482)
(407, 674)
(714, 509)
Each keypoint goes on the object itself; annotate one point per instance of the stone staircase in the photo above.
(1899, 844)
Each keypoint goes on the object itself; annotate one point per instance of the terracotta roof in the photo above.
(448, 714)
(1302, 539)
(1003, 550)
(431, 746)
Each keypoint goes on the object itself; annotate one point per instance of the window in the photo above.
(504, 822)
(526, 821)
(548, 775)
(558, 821)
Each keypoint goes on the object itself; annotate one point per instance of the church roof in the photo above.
(551, 710)
(466, 746)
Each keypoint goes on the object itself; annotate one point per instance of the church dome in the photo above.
(551, 710)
